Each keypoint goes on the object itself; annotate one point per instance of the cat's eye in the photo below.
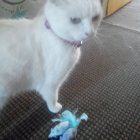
(75, 20)
(95, 18)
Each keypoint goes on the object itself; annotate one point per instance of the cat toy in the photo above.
(67, 126)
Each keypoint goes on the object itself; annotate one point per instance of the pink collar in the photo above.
(73, 43)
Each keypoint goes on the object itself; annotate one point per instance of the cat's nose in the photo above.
(87, 34)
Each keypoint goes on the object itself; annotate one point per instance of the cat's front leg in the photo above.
(50, 95)
(3, 101)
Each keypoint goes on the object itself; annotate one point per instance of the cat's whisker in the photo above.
(97, 43)
(88, 39)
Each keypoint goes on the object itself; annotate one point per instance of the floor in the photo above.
(105, 85)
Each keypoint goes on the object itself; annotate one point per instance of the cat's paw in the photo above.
(56, 108)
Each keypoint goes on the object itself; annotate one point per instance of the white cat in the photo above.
(40, 53)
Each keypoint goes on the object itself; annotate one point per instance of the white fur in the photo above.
(32, 57)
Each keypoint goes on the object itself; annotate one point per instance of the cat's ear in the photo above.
(101, 2)
(54, 1)
(58, 2)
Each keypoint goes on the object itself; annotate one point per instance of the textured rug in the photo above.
(105, 85)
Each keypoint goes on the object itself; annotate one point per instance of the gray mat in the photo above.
(105, 85)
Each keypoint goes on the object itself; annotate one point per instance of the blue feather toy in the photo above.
(66, 129)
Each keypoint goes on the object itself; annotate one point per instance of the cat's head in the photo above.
(74, 20)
